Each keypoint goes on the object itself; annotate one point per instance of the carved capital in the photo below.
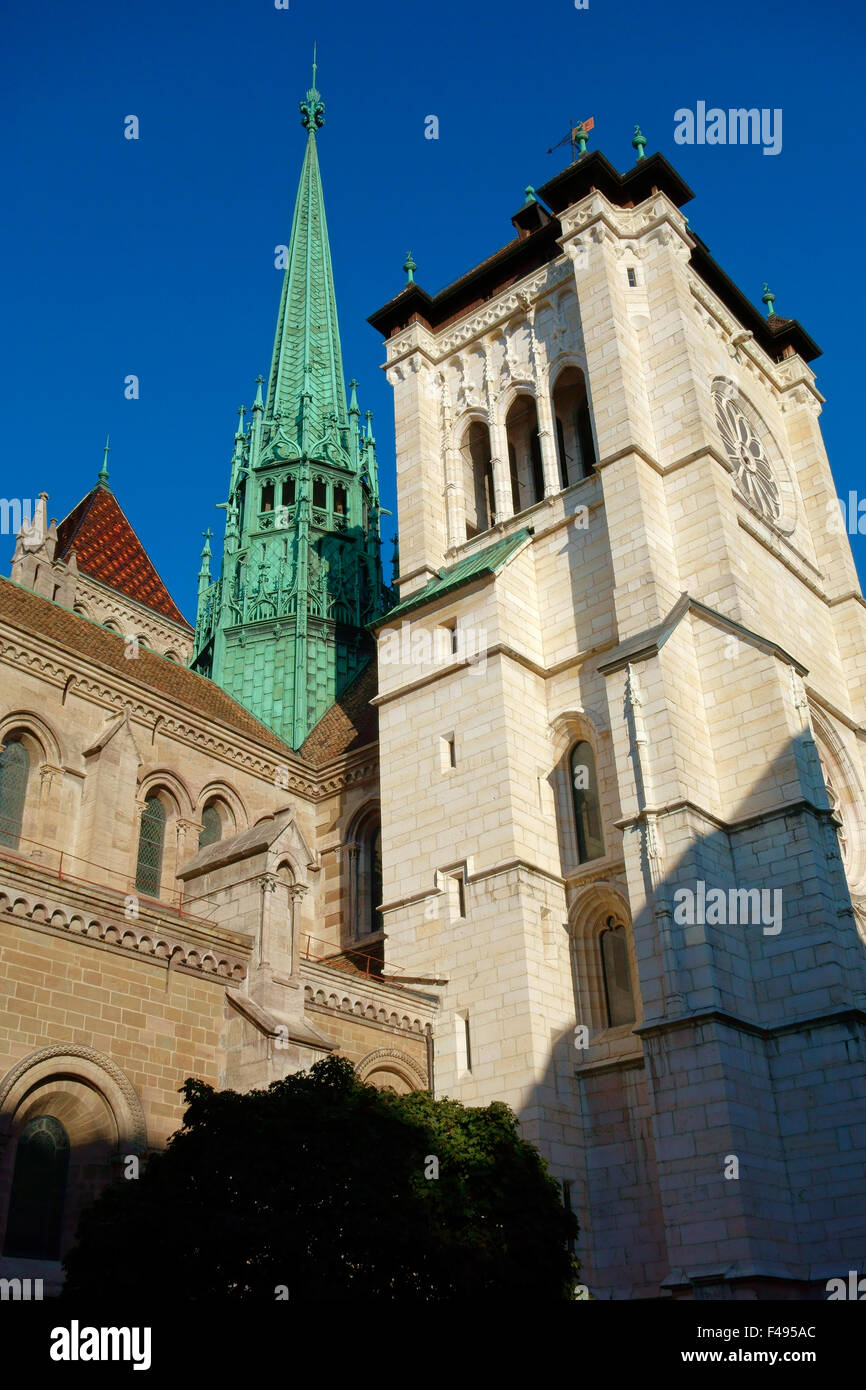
(268, 883)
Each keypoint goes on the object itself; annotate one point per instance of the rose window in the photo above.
(748, 461)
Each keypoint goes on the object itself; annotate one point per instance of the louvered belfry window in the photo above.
(14, 773)
(150, 847)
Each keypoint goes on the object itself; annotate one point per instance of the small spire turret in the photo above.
(102, 479)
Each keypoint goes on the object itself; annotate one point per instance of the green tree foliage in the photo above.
(321, 1184)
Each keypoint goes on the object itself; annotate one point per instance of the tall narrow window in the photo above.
(14, 774)
(573, 426)
(477, 479)
(585, 800)
(38, 1191)
(287, 495)
(618, 996)
(375, 916)
(341, 501)
(150, 846)
(320, 494)
(524, 453)
(464, 1042)
(268, 497)
(515, 477)
(212, 826)
(366, 887)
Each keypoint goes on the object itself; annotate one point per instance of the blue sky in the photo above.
(156, 257)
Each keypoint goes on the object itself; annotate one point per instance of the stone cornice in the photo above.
(92, 917)
(648, 643)
(829, 1019)
(476, 322)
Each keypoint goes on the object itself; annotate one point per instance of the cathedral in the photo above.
(570, 816)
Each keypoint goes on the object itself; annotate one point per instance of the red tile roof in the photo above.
(107, 549)
(184, 688)
(350, 723)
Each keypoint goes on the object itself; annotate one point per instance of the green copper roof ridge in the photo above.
(481, 563)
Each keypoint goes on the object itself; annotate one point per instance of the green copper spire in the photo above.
(530, 195)
(284, 627)
(306, 383)
(581, 135)
(769, 299)
(410, 267)
(638, 141)
(102, 479)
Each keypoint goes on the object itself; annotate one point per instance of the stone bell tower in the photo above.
(621, 739)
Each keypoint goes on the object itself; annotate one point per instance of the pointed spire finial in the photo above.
(410, 267)
(638, 141)
(312, 108)
(207, 537)
(354, 408)
(258, 404)
(103, 472)
(581, 135)
(769, 299)
(242, 410)
(530, 195)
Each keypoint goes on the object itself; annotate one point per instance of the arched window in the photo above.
(616, 975)
(14, 774)
(574, 441)
(478, 480)
(38, 1191)
(366, 883)
(268, 497)
(374, 915)
(212, 826)
(150, 846)
(585, 800)
(524, 454)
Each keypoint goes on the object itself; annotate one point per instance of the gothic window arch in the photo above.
(365, 888)
(845, 797)
(585, 802)
(604, 968)
(478, 491)
(35, 1214)
(15, 768)
(573, 422)
(524, 453)
(151, 845)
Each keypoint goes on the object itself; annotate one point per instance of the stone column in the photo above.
(455, 504)
(296, 893)
(268, 886)
(499, 466)
(547, 439)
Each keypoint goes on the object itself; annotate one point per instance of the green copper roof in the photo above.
(306, 377)
(483, 562)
